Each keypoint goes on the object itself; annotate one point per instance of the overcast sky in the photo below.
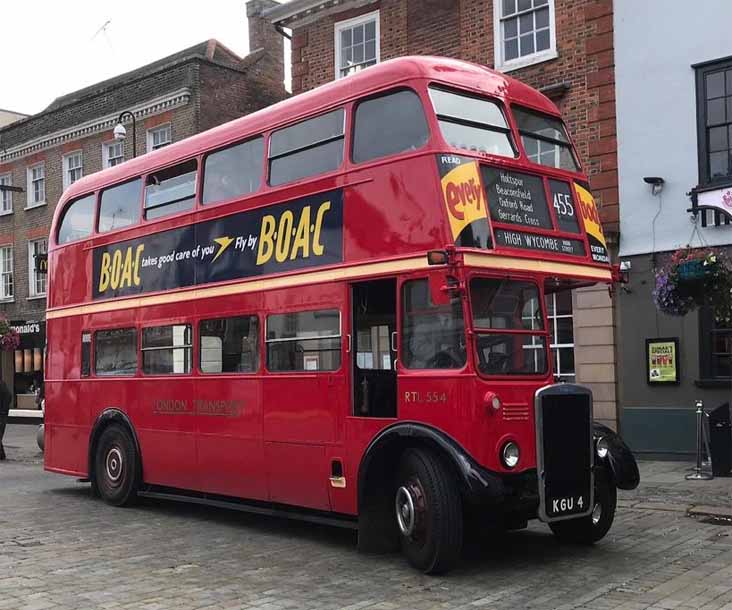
(49, 48)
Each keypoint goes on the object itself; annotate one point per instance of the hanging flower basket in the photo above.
(694, 278)
(9, 338)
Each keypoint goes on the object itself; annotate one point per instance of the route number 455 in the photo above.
(563, 204)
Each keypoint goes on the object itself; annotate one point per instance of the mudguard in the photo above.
(106, 416)
(476, 482)
(619, 460)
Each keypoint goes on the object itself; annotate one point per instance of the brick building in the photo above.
(564, 48)
(40, 155)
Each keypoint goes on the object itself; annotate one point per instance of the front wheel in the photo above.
(116, 466)
(590, 529)
(428, 512)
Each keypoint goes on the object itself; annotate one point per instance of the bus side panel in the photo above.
(70, 279)
(377, 227)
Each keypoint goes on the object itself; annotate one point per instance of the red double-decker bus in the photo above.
(334, 309)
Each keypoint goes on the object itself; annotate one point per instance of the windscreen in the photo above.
(545, 139)
(509, 323)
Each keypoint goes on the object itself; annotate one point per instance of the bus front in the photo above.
(524, 234)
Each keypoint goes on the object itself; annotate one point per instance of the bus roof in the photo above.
(438, 69)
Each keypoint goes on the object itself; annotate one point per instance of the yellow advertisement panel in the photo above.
(465, 201)
(591, 218)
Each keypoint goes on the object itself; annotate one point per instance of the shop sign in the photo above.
(662, 360)
(26, 328)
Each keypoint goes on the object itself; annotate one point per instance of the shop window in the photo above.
(115, 352)
(167, 350)
(229, 345)
(715, 348)
(304, 341)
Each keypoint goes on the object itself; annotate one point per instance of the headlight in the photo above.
(601, 447)
(510, 454)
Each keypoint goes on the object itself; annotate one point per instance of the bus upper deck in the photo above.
(412, 155)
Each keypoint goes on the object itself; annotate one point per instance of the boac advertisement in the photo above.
(304, 233)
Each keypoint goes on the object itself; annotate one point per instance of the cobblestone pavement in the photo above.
(61, 549)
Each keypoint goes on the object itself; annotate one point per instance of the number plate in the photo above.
(569, 505)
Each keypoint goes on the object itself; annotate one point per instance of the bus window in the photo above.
(545, 139)
(229, 345)
(433, 336)
(115, 352)
(233, 171)
(314, 146)
(85, 354)
(387, 125)
(166, 350)
(171, 190)
(502, 311)
(304, 341)
(472, 123)
(120, 206)
(77, 221)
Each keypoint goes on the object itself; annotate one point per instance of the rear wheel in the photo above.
(428, 512)
(590, 529)
(116, 466)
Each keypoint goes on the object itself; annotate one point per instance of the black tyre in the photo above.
(429, 512)
(590, 529)
(116, 466)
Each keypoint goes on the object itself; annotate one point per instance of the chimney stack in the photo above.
(262, 35)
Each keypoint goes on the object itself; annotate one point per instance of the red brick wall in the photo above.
(464, 29)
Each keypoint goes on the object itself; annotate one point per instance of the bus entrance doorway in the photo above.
(374, 353)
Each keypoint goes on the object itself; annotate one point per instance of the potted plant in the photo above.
(9, 337)
(693, 278)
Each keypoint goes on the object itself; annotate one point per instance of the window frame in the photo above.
(706, 344)
(106, 146)
(569, 144)
(702, 70)
(67, 181)
(186, 346)
(203, 160)
(99, 194)
(6, 180)
(303, 371)
(33, 275)
(65, 211)
(150, 146)
(5, 297)
(30, 202)
(196, 204)
(503, 65)
(197, 340)
(346, 24)
(95, 352)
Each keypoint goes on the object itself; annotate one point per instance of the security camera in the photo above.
(120, 133)
(656, 183)
(625, 266)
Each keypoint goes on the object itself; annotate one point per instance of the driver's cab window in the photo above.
(433, 336)
(509, 325)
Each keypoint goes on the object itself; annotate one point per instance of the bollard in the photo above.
(698, 475)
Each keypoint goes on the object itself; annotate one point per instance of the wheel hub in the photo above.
(406, 516)
(114, 464)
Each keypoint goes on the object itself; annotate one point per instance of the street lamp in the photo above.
(120, 133)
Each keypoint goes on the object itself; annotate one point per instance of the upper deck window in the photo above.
(472, 123)
(545, 139)
(233, 171)
(389, 124)
(171, 190)
(77, 221)
(308, 148)
(120, 206)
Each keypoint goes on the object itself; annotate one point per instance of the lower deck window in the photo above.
(304, 341)
(166, 350)
(115, 352)
(230, 345)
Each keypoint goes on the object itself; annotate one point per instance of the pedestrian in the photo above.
(5, 399)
